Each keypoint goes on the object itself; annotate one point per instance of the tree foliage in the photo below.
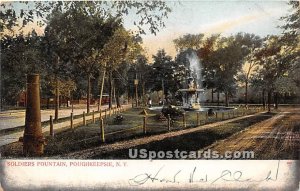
(151, 14)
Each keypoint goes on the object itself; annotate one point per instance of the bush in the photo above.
(118, 119)
(173, 111)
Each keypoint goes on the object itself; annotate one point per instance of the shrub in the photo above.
(173, 111)
(118, 119)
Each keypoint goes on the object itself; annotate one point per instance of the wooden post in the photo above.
(51, 126)
(98, 107)
(100, 115)
(222, 115)
(198, 118)
(102, 130)
(72, 108)
(71, 121)
(93, 117)
(183, 120)
(169, 122)
(84, 121)
(144, 125)
(216, 115)
(109, 112)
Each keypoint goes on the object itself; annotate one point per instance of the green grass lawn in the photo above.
(82, 137)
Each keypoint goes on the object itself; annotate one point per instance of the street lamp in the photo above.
(136, 82)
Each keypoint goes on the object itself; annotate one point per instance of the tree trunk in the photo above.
(226, 99)
(269, 100)
(263, 99)
(246, 94)
(136, 96)
(101, 88)
(110, 89)
(212, 95)
(114, 92)
(56, 98)
(218, 97)
(128, 92)
(144, 96)
(276, 97)
(88, 99)
(48, 102)
(284, 98)
(163, 90)
(118, 99)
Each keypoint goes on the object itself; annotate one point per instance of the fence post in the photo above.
(217, 116)
(183, 120)
(169, 122)
(144, 125)
(71, 122)
(98, 107)
(83, 117)
(102, 130)
(72, 107)
(51, 126)
(100, 114)
(93, 116)
(198, 118)
(223, 115)
(109, 112)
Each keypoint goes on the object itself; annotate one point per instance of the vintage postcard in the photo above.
(150, 95)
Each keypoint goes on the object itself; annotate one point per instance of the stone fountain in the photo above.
(192, 91)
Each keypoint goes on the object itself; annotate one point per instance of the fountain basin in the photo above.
(201, 109)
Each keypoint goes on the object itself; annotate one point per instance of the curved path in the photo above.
(14, 137)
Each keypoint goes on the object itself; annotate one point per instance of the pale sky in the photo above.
(225, 17)
(260, 17)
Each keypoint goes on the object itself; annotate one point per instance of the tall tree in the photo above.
(251, 42)
(121, 47)
(165, 74)
(82, 44)
(205, 53)
(20, 55)
(188, 41)
(151, 14)
(274, 63)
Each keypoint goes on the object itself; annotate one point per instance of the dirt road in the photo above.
(276, 138)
